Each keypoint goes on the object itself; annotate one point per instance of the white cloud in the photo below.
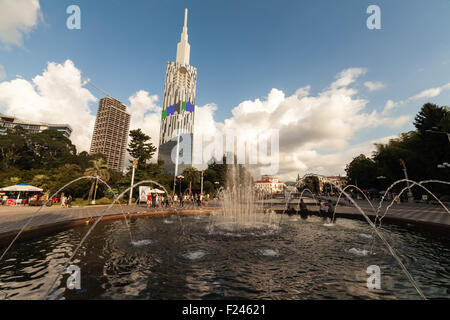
(145, 114)
(425, 94)
(17, 18)
(56, 96)
(431, 93)
(314, 131)
(2, 73)
(389, 106)
(347, 77)
(374, 86)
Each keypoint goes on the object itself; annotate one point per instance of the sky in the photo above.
(311, 70)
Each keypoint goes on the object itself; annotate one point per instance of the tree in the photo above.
(192, 175)
(311, 183)
(140, 147)
(41, 181)
(429, 117)
(98, 169)
(46, 149)
(12, 146)
(362, 171)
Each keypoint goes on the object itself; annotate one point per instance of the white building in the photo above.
(178, 108)
(9, 122)
(269, 185)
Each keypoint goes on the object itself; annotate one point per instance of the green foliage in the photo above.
(421, 150)
(140, 147)
(362, 171)
(191, 175)
(47, 149)
(311, 183)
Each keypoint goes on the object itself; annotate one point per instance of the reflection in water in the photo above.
(301, 260)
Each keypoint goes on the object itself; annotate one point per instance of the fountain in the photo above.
(413, 183)
(240, 209)
(388, 246)
(241, 235)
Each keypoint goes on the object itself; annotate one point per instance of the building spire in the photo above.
(183, 48)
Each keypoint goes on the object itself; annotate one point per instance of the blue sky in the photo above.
(243, 49)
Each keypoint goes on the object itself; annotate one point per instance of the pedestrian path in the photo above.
(14, 218)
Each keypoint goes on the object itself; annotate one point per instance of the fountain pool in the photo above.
(301, 259)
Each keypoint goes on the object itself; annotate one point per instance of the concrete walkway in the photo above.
(14, 218)
(426, 214)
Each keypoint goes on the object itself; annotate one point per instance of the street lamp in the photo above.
(135, 163)
(410, 194)
(180, 177)
(381, 178)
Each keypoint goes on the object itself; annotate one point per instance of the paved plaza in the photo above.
(431, 213)
(14, 218)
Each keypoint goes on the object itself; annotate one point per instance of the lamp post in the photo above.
(201, 184)
(95, 190)
(180, 177)
(410, 195)
(132, 181)
(381, 178)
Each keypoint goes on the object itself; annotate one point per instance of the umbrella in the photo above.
(21, 187)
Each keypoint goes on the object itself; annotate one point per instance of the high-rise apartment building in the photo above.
(177, 119)
(111, 132)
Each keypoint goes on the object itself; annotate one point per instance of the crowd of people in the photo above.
(167, 201)
(36, 199)
(26, 199)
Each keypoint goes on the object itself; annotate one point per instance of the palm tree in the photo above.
(98, 169)
(192, 175)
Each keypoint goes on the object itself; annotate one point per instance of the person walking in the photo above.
(303, 210)
(69, 201)
(167, 201)
(63, 200)
(149, 200)
(331, 214)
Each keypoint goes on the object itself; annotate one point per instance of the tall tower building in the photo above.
(177, 119)
(111, 132)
